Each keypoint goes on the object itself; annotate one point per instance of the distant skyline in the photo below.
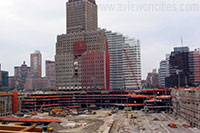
(32, 25)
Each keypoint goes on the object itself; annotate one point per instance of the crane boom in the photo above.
(131, 68)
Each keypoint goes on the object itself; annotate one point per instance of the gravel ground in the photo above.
(118, 123)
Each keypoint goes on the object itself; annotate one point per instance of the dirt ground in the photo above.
(119, 122)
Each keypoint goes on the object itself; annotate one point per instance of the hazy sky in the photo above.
(28, 25)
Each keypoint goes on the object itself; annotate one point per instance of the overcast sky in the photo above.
(28, 25)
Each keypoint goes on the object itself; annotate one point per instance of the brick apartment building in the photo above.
(36, 64)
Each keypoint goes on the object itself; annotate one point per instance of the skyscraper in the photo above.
(50, 74)
(81, 16)
(194, 67)
(3, 79)
(36, 64)
(163, 71)
(116, 42)
(121, 76)
(178, 68)
(0, 77)
(184, 68)
(82, 59)
(132, 75)
(152, 79)
(21, 73)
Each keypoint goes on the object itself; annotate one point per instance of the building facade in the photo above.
(21, 73)
(184, 68)
(163, 72)
(4, 83)
(6, 104)
(4, 80)
(121, 76)
(178, 68)
(36, 64)
(75, 69)
(186, 105)
(0, 77)
(132, 64)
(115, 43)
(152, 79)
(11, 82)
(34, 83)
(50, 74)
(10, 103)
(194, 67)
(81, 16)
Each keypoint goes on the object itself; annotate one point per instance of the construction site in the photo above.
(151, 99)
(95, 121)
(142, 111)
(97, 77)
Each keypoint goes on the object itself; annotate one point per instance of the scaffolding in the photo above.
(102, 99)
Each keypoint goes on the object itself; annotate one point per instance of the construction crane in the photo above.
(131, 68)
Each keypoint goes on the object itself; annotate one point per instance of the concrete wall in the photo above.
(186, 104)
(5, 104)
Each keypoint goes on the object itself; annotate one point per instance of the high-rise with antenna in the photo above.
(181, 41)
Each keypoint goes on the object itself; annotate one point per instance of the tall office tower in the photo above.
(11, 82)
(36, 64)
(194, 67)
(82, 59)
(21, 73)
(3, 79)
(121, 76)
(178, 68)
(0, 77)
(152, 79)
(115, 44)
(163, 71)
(81, 15)
(50, 74)
(132, 68)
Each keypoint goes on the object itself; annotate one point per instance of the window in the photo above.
(35, 63)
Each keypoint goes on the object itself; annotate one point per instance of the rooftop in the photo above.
(92, 1)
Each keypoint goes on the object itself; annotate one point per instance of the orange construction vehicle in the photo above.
(187, 125)
(33, 113)
(172, 125)
(58, 112)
